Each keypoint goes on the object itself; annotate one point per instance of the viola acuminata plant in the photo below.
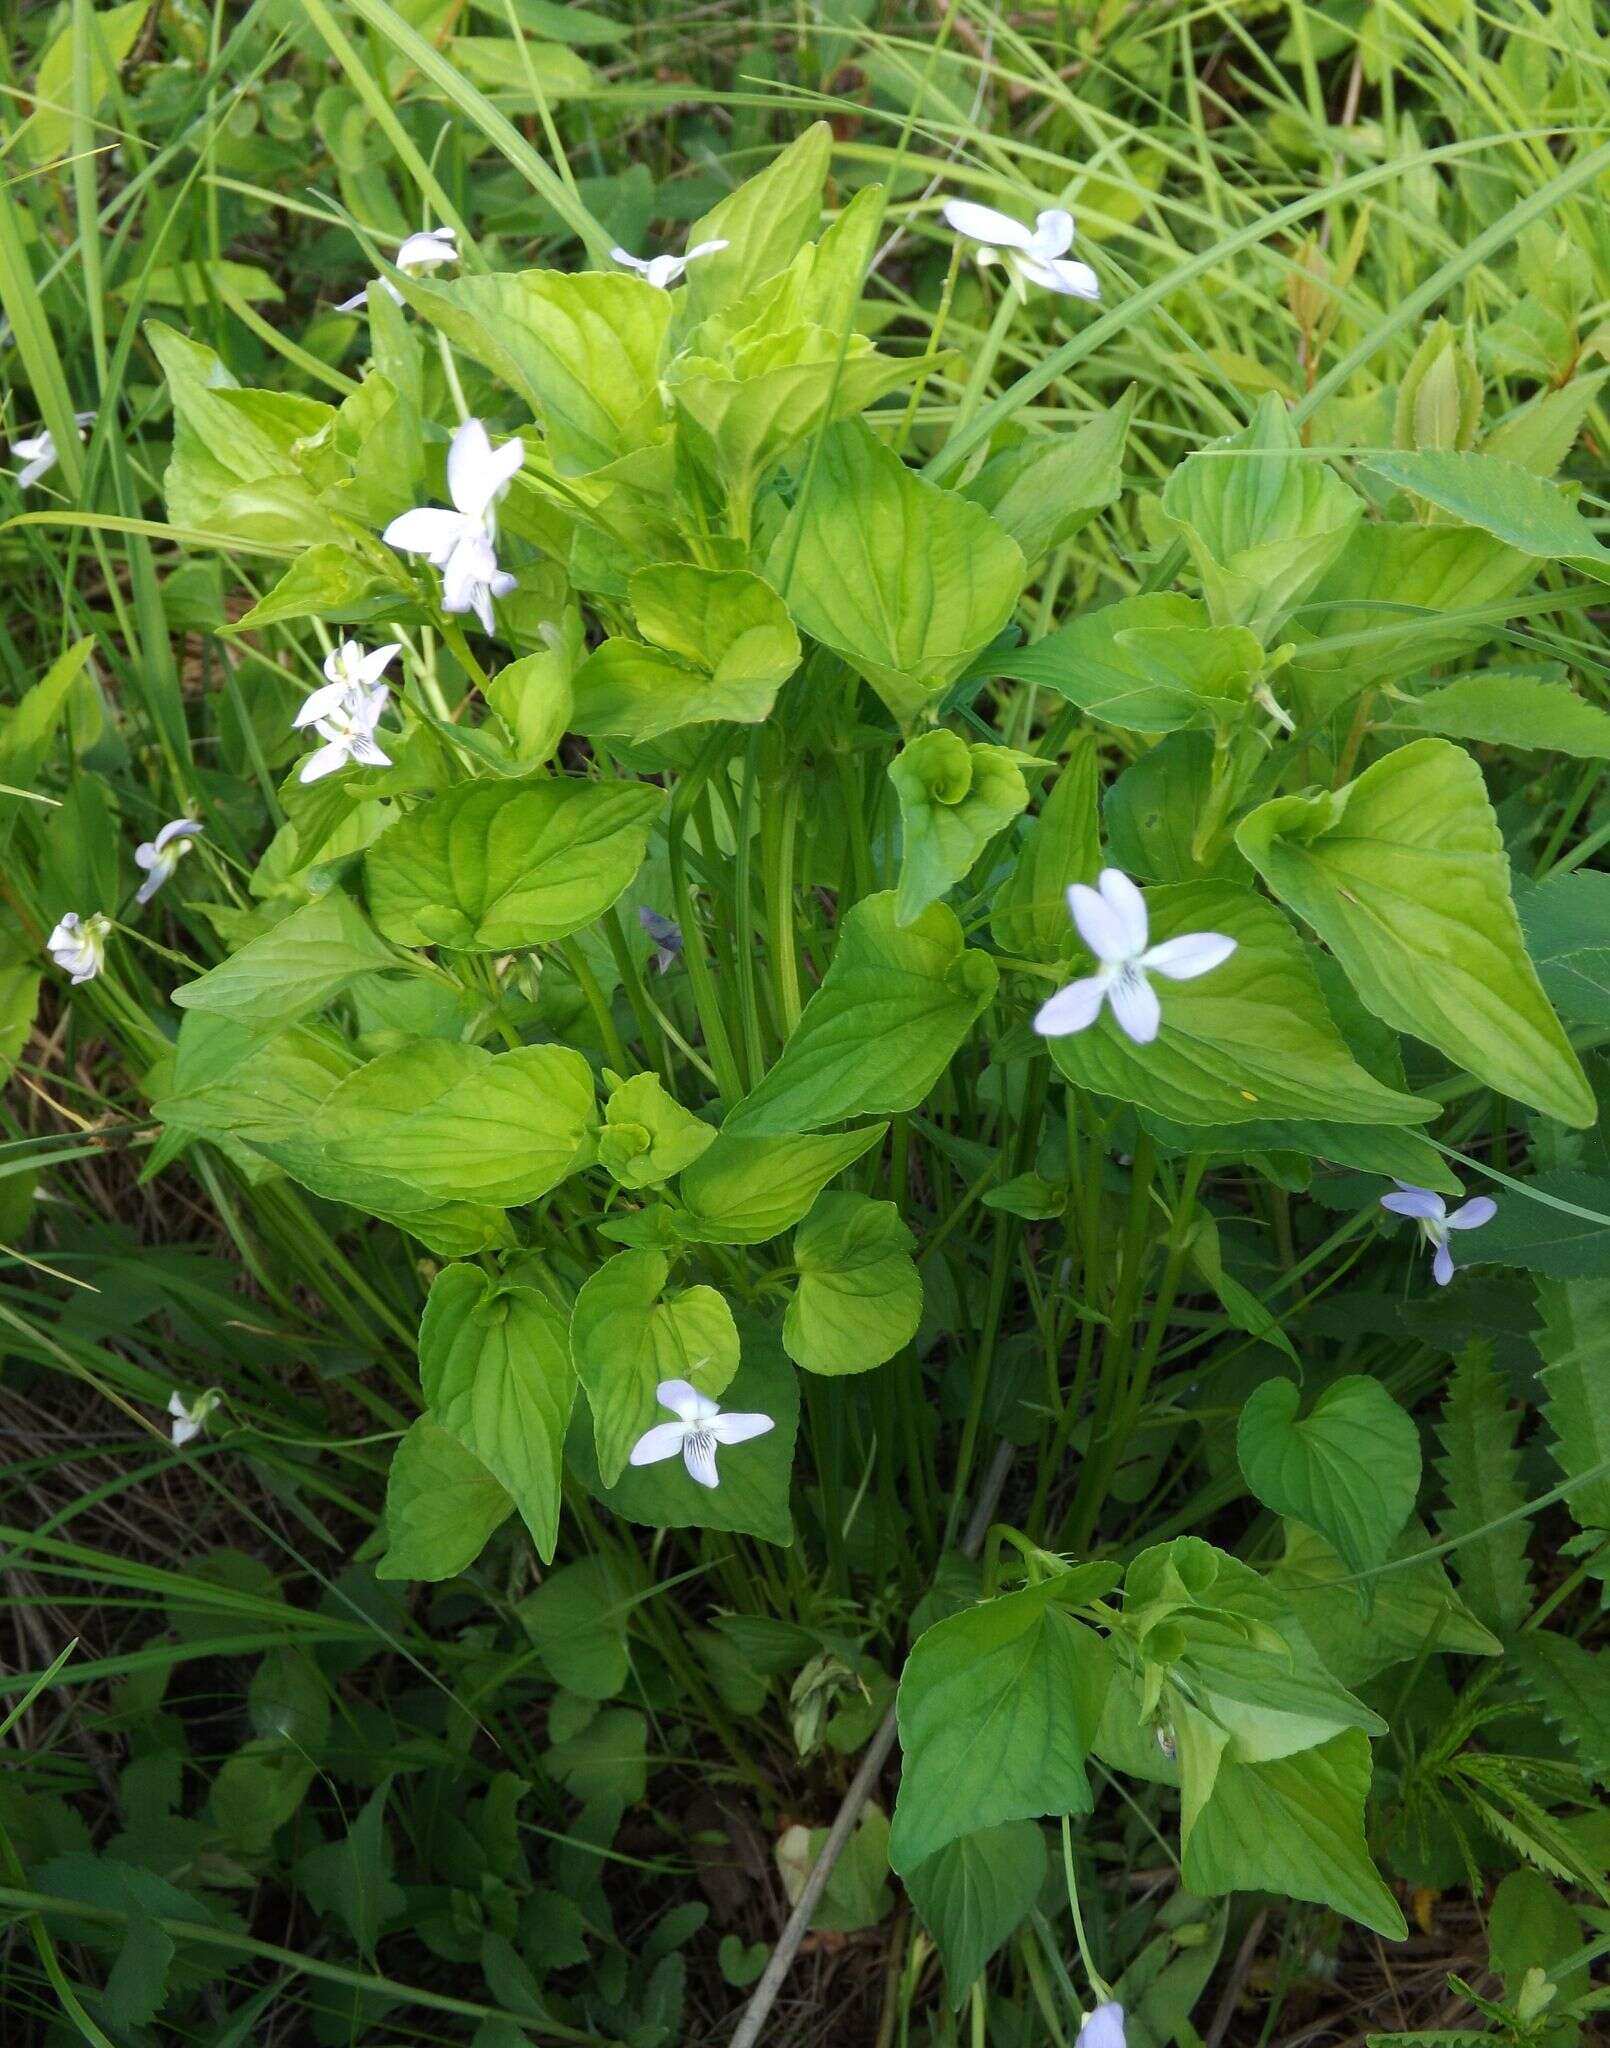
(815, 922)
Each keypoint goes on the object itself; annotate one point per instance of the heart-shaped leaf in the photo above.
(1350, 1468)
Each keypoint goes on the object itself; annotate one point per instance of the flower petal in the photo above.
(1104, 2028)
(1128, 905)
(176, 828)
(699, 1455)
(373, 665)
(703, 249)
(356, 303)
(1420, 1203)
(683, 1398)
(1072, 280)
(327, 698)
(1073, 1008)
(664, 1440)
(630, 262)
(738, 1429)
(365, 751)
(427, 530)
(1099, 925)
(324, 761)
(1135, 1005)
(1442, 1266)
(469, 465)
(1473, 1214)
(1053, 233)
(984, 224)
(425, 250)
(1191, 954)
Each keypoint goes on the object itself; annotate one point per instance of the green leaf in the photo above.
(763, 223)
(1478, 1467)
(1574, 1341)
(1403, 875)
(1510, 708)
(1541, 1238)
(1522, 510)
(296, 967)
(458, 1123)
(1566, 920)
(723, 645)
(1147, 664)
(1249, 1041)
(907, 581)
(581, 348)
(997, 1707)
(858, 1299)
(973, 1894)
(893, 1007)
(856, 1895)
(350, 1881)
(1412, 1608)
(494, 1362)
(577, 1618)
(1350, 1468)
(752, 1498)
(1293, 1826)
(647, 1135)
(1048, 488)
(628, 1332)
(954, 798)
(30, 726)
(745, 1190)
(441, 1506)
(110, 33)
(329, 582)
(1262, 517)
(20, 983)
(493, 866)
(1063, 845)
(742, 415)
(1572, 1686)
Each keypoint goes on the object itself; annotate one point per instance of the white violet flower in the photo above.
(461, 543)
(348, 708)
(664, 271)
(699, 1427)
(1430, 1211)
(39, 451)
(1103, 2028)
(190, 1418)
(1112, 922)
(1037, 255)
(424, 251)
(160, 856)
(78, 945)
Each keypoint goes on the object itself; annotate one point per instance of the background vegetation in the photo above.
(254, 1792)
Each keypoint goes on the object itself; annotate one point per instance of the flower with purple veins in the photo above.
(1430, 1211)
(698, 1428)
(1113, 923)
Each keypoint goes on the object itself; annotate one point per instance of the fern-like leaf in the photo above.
(1572, 1687)
(1478, 1468)
(1575, 1342)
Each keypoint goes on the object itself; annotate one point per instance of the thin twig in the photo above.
(1239, 1971)
(866, 1776)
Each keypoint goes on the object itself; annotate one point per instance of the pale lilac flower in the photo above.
(461, 543)
(699, 1427)
(39, 451)
(78, 945)
(424, 251)
(1430, 1211)
(667, 937)
(664, 271)
(160, 856)
(190, 1418)
(1112, 922)
(1103, 2028)
(1037, 255)
(347, 709)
